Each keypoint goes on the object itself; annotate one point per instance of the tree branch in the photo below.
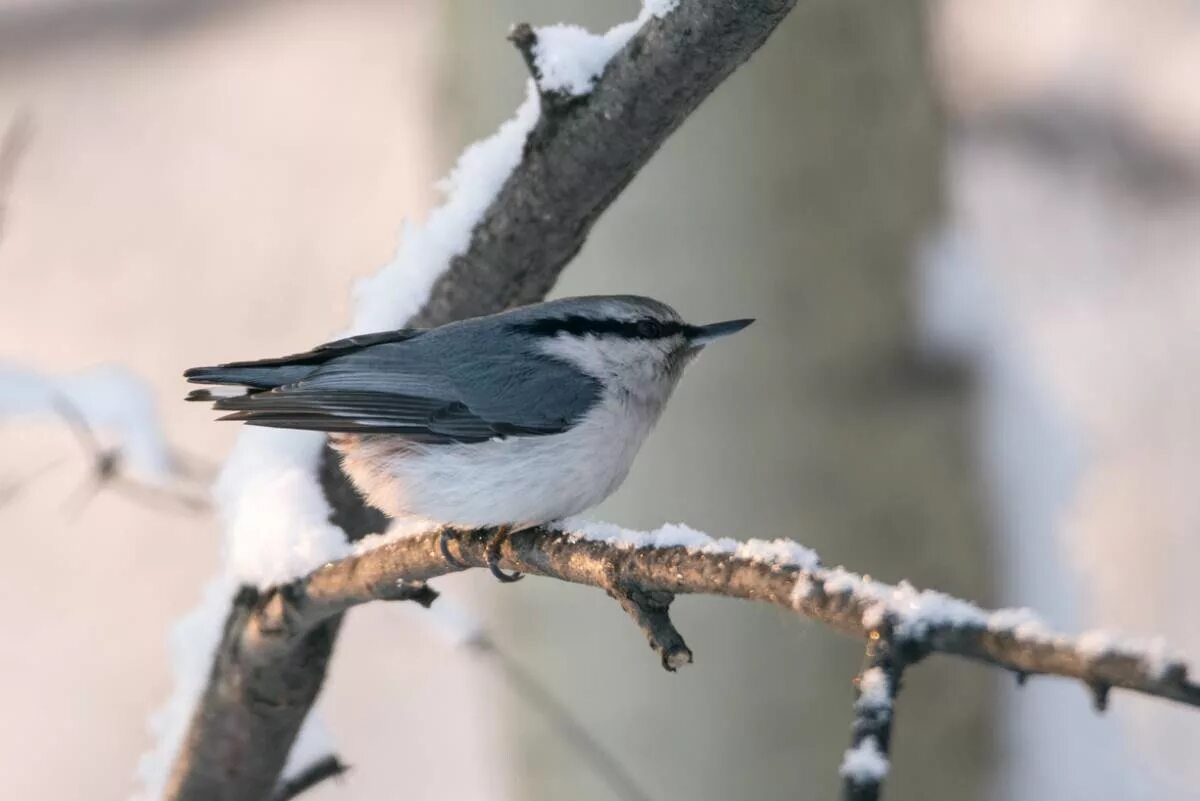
(576, 162)
(922, 622)
(866, 762)
(650, 611)
(900, 624)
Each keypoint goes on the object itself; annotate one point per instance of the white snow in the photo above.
(569, 58)
(399, 529)
(916, 611)
(1022, 623)
(780, 552)
(1153, 653)
(274, 512)
(389, 298)
(913, 611)
(109, 400)
(802, 590)
(874, 691)
(864, 763)
(270, 500)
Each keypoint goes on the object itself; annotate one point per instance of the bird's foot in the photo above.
(448, 534)
(493, 557)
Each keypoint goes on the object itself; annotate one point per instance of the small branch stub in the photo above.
(1100, 696)
(525, 39)
(651, 612)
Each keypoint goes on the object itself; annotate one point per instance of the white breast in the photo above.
(518, 480)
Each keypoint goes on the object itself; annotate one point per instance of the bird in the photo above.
(506, 421)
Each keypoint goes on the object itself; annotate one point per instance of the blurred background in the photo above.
(970, 232)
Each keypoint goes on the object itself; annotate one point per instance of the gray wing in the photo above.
(428, 389)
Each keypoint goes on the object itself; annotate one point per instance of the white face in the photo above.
(645, 370)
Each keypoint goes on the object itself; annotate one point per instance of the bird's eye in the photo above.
(649, 329)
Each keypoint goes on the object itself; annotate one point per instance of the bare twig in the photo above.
(106, 470)
(575, 163)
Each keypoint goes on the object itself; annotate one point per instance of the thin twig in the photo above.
(106, 471)
(866, 762)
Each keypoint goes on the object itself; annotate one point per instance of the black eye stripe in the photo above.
(645, 328)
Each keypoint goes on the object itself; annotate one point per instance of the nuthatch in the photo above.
(508, 421)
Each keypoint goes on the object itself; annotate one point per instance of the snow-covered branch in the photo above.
(680, 561)
(866, 764)
(900, 624)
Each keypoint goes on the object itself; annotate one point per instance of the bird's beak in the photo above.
(701, 335)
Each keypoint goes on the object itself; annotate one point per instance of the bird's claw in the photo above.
(444, 546)
(493, 558)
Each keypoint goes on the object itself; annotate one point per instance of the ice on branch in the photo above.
(569, 58)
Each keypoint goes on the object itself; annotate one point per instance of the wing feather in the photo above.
(431, 388)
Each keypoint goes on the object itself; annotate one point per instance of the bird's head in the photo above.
(631, 344)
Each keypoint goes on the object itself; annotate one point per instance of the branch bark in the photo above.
(577, 159)
(900, 624)
(866, 763)
(924, 622)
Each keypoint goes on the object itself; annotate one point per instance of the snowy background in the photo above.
(970, 231)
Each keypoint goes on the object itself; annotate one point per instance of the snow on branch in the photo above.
(780, 572)
(865, 764)
(900, 624)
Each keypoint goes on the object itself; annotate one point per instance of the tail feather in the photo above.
(267, 377)
(208, 396)
(259, 374)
